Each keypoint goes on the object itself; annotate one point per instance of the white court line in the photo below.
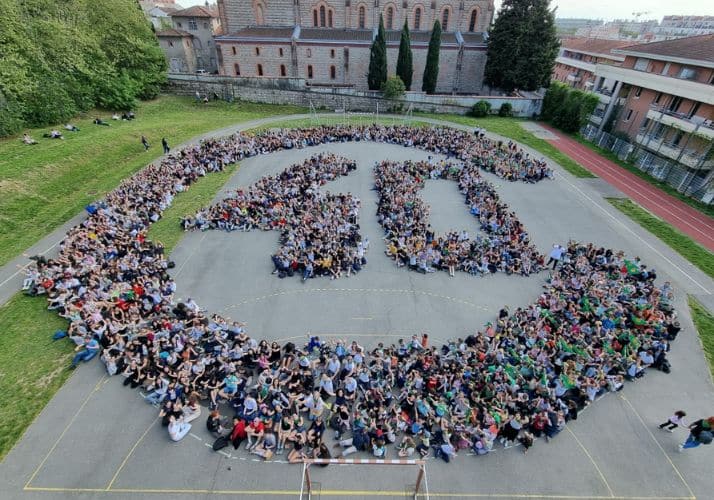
(669, 261)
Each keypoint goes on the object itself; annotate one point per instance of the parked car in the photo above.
(201, 72)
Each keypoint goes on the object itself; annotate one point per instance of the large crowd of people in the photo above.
(319, 230)
(600, 321)
(411, 242)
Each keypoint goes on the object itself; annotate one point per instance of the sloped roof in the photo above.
(697, 48)
(594, 45)
(172, 32)
(195, 11)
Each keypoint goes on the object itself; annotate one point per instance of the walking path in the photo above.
(688, 220)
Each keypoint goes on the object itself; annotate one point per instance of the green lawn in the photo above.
(680, 243)
(33, 366)
(702, 207)
(43, 186)
(511, 128)
(704, 321)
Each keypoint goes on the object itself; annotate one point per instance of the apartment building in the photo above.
(662, 97)
(576, 61)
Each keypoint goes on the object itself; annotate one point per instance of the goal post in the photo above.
(419, 489)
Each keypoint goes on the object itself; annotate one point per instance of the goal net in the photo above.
(416, 485)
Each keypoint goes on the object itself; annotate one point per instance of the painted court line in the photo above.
(131, 452)
(345, 493)
(592, 460)
(64, 431)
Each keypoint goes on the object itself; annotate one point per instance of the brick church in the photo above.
(327, 42)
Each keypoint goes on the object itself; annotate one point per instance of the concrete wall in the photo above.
(296, 91)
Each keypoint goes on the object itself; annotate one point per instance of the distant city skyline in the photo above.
(606, 9)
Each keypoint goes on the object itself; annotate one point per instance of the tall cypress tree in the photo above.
(378, 59)
(405, 68)
(431, 70)
(522, 46)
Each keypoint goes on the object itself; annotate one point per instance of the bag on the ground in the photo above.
(221, 443)
(59, 334)
(705, 437)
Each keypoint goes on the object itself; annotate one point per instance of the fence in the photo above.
(696, 184)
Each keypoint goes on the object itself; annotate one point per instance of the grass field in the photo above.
(704, 321)
(682, 244)
(33, 366)
(43, 186)
(702, 207)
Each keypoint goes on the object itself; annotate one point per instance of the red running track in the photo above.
(688, 220)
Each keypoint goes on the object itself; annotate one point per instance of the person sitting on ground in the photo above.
(99, 121)
(178, 428)
(53, 134)
(28, 140)
(71, 127)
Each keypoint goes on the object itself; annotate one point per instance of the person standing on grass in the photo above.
(145, 143)
(674, 421)
(165, 145)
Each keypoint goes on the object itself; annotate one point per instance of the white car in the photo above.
(201, 72)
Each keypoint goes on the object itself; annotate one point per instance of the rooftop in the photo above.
(697, 48)
(195, 11)
(594, 45)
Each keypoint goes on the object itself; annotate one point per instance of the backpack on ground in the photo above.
(221, 443)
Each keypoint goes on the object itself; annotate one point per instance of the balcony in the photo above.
(695, 91)
(688, 157)
(681, 121)
(574, 63)
(573, 78)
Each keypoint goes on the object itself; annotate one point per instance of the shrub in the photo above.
(506, 109)
(481, 109)
(393, 88)
(568, 108)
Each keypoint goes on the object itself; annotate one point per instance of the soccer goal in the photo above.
(417, 488)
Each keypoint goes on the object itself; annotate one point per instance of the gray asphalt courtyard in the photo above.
(97, 439)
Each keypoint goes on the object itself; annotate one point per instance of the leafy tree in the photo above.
(506, 109)
(378, 59)
(61, 58)
(405, 68)
(481, 109)
(522, 46)
(431, 70)
(393, 87)
(568, 108)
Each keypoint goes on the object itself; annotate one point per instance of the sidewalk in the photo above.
(687, 219)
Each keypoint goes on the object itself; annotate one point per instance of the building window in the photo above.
(638, 92)
(234, 50)
(332, 53)
(629, 115)
(205, 26)
(361, 17)
(390, 18)
(687, 73)
(260, 70)
(472, 21)
(329, 18)
(179, 25)
(323, 21)
(417, 18)
(445, 20)
(171, 44)
(257, 51)
(280, 52)
(314, 18)
(192, 25)
(283, 72)
(259, 14)
(309, 71)
(308, 52)
(641, 64)
(658, 97)
(333, 73)
(236, 69)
